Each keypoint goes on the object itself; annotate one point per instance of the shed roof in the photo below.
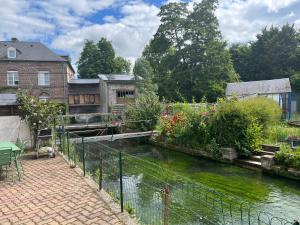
(275, 86)
(29, 51)
(8, 99)
(117, 77)
(84, 81)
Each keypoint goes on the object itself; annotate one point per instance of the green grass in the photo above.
(279, 132)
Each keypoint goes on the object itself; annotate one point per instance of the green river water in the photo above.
(273, 194)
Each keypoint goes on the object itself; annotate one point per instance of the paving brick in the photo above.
(52, 193)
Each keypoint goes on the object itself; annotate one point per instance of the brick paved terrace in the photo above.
(52, 193)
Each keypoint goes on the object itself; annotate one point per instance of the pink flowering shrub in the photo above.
(185, 125)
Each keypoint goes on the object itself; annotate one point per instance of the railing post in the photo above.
(63, 140)
(166, 203)
(121, 180)
(83, 155)
(68, 145)
(60, 133)
(100, 172)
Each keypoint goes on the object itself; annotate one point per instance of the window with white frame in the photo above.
(43, 78)
(11, 53)
(12, 78)
(44, 97)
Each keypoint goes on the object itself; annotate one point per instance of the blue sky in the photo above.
(63, 25)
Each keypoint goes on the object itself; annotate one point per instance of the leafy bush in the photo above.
(288, 157)
(232, 126)
(186, 125)
(265, 110)
(38, 114)
(144, 112)
(231, 123)
(214, 149)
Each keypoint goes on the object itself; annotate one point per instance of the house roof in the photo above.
(259, 87)
(8, 99)
(84, 81)
(116, 77)
(29, 51)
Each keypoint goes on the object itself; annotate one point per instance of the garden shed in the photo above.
(278, 89)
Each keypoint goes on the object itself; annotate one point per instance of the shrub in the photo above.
(146, 109)
(187, 126)
(38, 114)
(231, 123)
(214, 149)
(265, 110)
(288, 157)
(232, 126)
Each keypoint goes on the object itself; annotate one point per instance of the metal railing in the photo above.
(156, 195)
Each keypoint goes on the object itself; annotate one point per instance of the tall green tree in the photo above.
(121, 65)
(144, 76)
(188, 56)
(241, 58)
(275, 54)
(87, 65)
(100, 58)
(105, 56)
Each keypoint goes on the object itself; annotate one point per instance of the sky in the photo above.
(64, 25)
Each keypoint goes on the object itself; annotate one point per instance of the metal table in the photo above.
(7, 144)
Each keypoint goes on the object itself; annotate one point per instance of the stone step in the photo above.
(266, 153)
(270, 148)
(249, 163)
(256, 158)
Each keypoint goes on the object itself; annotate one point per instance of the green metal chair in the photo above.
(6, 159)
(21, 145)
(18, 162)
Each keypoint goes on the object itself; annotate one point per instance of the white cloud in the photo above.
(274, 5)
(66, 24)
(110, 19)
(241, 20)
(129, 35)
(15, 22)
(31, 19)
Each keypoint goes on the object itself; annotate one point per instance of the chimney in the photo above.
(14, 39)
(66, 57)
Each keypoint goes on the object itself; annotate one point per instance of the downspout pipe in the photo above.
(290, 105)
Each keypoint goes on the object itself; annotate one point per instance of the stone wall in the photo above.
(228, 154)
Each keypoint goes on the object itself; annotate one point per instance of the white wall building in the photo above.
(278, 89)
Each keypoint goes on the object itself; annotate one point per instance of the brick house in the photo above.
(34, 68)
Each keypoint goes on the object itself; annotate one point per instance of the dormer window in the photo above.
(11, 53)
